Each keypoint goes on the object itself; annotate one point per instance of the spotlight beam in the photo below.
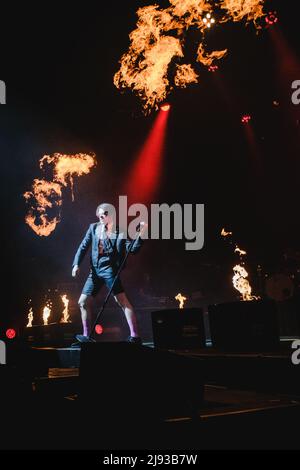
(145, 176)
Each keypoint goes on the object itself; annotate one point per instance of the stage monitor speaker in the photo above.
(178, 328)
(244, 326)
(124, 381)
(57, 335)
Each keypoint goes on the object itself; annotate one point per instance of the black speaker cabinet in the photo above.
(52, 335)
(244, 326)
(178, 328)
(126, 381)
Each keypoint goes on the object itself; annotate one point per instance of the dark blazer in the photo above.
(119, 246)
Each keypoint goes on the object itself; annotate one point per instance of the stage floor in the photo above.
(218, 400)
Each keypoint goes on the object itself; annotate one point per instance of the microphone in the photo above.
(139, 227)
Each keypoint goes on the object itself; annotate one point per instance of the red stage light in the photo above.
(10, 333)
(165, 107)
(246, 119)
(213, 68)
(144, 178)
(99, 329)
(271, 18)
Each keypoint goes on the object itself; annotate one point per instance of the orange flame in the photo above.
(181, 299)
(239, 251)
(46, 313)
(241, 283)
(239, 279)
(30, 318)
(225, 234)
(158, 40)
(237, 10)
(207, 58)
(45, 198)
(65, 166)
(185, 74)
(66, 316)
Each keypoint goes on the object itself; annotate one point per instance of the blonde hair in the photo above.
(104, 206)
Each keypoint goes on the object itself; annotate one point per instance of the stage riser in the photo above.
(134, 382)
(57, 387)
(260, 374)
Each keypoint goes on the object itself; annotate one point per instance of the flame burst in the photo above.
(66, 166)
(181, 299)
(207, 58)
(66, 316)
(30, 318)
(237, 10)
(46, 313)
(224, 233)
(241, 283)
(45, 197)
(185, 74)
(159, 39)
(239, 251)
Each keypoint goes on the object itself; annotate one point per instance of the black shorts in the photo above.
(95, 282)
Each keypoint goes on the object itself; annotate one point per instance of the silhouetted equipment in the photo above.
(279, 287)
(244, 326)
(123, 381)
(54, 334)
(178, 328)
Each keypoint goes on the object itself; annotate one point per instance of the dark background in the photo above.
(58, 65)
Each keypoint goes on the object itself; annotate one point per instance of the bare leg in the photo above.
(127, 308)
(84, 305)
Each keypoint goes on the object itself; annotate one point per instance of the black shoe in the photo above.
(84, 339)
(134, 339)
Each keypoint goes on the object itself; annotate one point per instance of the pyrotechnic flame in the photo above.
(66, 316)
(181, 299)
(225, 234)
(207, 58)
(66, 166)
(46, 313)
(240, 274)
(148, 77)
(159, 39)
(189, 12)
(30, 318)
(185, 74)
(237, 10)
(239, 251)
(242, 284)
(45, 197)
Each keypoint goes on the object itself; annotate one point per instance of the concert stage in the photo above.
(122, 396)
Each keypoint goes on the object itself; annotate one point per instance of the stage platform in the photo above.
(249, 401)
(228, 419)
(267, 372)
